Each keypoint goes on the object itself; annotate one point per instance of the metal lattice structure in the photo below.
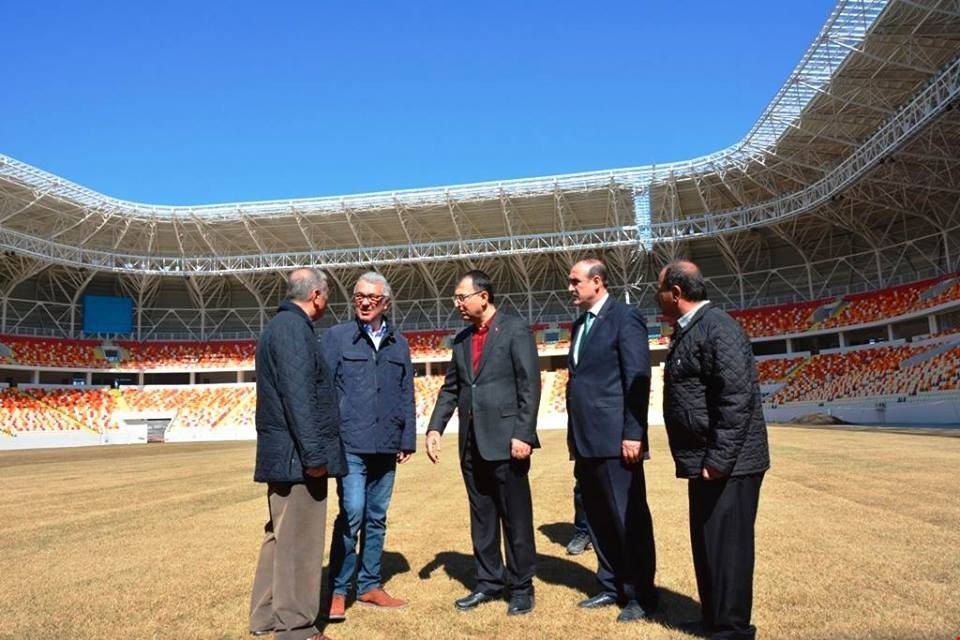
(849, 180)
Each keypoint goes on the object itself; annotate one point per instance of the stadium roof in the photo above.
(877, 75)
(849, 179)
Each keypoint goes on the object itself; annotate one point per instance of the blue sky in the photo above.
(195, 102)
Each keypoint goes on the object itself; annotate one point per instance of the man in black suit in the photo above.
(718, 438)
(607, 398)
(493, 380)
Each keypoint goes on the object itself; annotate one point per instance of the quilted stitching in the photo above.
(711, 399)
(297, 417)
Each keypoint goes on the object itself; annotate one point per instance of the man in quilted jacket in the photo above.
(298, 448)
(718, 438)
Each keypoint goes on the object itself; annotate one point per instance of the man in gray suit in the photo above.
(493, 380)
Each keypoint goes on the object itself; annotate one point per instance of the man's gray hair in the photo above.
(302, 282)
(375, 278)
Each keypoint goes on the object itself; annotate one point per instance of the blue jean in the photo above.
(364, 499)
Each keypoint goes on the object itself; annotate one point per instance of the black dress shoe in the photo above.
(474, 599)
(633, 612)
(599, 600)
(520, 603)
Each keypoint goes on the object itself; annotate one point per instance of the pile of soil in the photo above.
(817, 419)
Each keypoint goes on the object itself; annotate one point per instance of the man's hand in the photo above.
(632, 451)
(519, 450)
(316, 472)
(403, 456)
(433, 446)
(709, 473)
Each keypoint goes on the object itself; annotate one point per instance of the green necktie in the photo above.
(587, 323)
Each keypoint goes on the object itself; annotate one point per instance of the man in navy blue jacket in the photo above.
(370, 362)
(298, 447)
(607, 398)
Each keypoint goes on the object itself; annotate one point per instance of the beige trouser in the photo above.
(286, 587)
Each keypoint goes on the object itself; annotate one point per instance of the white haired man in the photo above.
(373, 373)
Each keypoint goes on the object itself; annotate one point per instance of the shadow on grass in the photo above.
(392, 564)
(558, 532)
(674, 607)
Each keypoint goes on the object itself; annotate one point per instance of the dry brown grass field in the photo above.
(858, 537)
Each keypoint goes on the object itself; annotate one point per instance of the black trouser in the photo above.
(499, 494)
(722, 517)
(615, 498)
(579, 513)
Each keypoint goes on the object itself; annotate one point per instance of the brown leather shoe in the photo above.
(338, 607)
(380, 599)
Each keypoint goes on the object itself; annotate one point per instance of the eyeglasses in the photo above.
(374, 299)
(460, 298)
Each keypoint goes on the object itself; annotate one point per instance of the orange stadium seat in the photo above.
(874, 306)
(195, 355)
(194, 406)
(54, 352)
(778, 320)
(429, 344)
(871, 372)
(774, 370)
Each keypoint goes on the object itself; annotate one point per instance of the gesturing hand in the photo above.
(433, 446)
(403, 456)
(519, 450)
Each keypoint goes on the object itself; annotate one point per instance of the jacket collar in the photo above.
(578, 326)
(694, 320)
(288, 305)
(361, 333)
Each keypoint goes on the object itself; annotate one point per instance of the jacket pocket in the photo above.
(353, 364)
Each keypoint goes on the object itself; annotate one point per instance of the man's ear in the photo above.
(676, 291)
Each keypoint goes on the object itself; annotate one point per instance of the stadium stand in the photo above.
(778, 320)
(23, 412)
(53, 352)
(877, 371)
(429, 344)
(863, 308)
(774, 370)
(203, 407)
(425, 390)
(85, 408)
(199, 355)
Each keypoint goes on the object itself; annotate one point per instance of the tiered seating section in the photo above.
(852, 310)
(871, 372)
(553, 394)
(55, 410)
(877, 305)
(53, 352)
(193, 406)
(780, 320)
(862, 373)
(194, 355)
(429, 344)
(774, 370)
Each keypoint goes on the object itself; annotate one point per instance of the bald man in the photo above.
(718, 438)
(607, 398)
